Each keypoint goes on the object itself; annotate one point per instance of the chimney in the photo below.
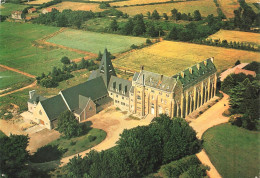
(205, 62)
(143, 80)
(142, 67)
(182, 74)
(31, 93)
(198, 66)
(190, 69)
(161, 77)
(212, 59)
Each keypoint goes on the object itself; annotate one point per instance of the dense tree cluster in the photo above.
(14, 156)
(66, 18)
(245, 17)
(183, 16)
(104, 5)
(188, 166)
(139, 151)
(244, 99)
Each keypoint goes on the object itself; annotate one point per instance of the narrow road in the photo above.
(23, 73)
(213, 116)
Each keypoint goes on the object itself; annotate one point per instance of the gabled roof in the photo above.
(196, 73)
(17, 12)
(93, 89)
(54, 106)
(155, 80)
(119, 85)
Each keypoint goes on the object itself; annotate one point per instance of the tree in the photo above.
(139, 26)
(197, 15)
(148, 15)
(155, 15)
(68, 125)
(65, 60)
(128, 27)
(151, 31)
(228, 84)
(165, 16)
(174, 14)
(237, 62)
(113, 25)
(14, 156)
(173, 35)
(99, 56)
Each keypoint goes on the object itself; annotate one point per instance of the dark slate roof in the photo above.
(93, 89)
(54, 106)
(156, 81)
(119, 85)
(36, 97)
(94, 74)
(200, 71)
(83, 101)
(135, 76)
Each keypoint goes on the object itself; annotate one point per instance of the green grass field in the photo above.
(17, 50)
(95, 42)
(8, 8)
(233, 151)
(80, 143)
(9, 78)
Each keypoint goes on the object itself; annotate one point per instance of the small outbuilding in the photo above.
(17, 15)
(32, 10)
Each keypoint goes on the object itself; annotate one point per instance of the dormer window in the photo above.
(120, 87)
(114, 85)
(125, 89)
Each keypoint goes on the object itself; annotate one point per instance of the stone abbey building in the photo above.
(147, 93)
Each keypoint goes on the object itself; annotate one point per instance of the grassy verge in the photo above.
(233, 151)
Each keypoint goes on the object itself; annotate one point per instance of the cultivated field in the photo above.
(9, 78)
(38, 2)
(8, 8)
(95, 42)
(78, 6)
(134, 2)
(169, 58)
(17, 50)
(233, 151)
(205, 7)
(229, 35)
(228, 7)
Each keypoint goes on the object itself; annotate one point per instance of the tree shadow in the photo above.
(86, 127)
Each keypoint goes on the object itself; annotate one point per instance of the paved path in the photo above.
(213, 116)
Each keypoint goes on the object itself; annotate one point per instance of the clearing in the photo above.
(95, 42)
(233, 151)
(78, 6)
(228, 7)
(238, 36)
(169, 58)
(19, 52)
(206, 7)
(8, 8)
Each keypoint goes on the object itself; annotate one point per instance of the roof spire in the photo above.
(106, 68)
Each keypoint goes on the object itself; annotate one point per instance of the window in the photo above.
(122, 103)
(90, 108)
(138, 97)
(123, 97)
(117, 96)
(167, 95)
(160, 93)
(131, 106)
(40, 112)
(152, 91)
(152, 97)
(131, 99)
(161, 100)
(138, 91)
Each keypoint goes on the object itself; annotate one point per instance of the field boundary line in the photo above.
(18, 71)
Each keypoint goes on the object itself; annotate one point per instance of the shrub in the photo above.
(72, 143)
(91, 138)
(133, 46)
(201, 112)
(65, 60)
(226, 113)
(148, 41)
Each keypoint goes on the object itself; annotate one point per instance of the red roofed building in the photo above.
(47, 10)
(32, 10)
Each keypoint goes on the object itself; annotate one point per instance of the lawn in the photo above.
(233, 151)
(169, 57)
(238, 36)
(78, 6)
(79, 144)
(95, 42)
(206, 7)
(228, 7)
(17, 50)
(8, 8)
(9, 78)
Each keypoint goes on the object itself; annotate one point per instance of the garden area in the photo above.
(233, 151)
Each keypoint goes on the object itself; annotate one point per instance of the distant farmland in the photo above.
(78, 6)
(228, 7)
(229, 35)
(170, 58)
(8, 8)
(134, 2)
(206, 7)
(95, 42)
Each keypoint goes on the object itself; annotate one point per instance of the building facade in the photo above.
(147, 93)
